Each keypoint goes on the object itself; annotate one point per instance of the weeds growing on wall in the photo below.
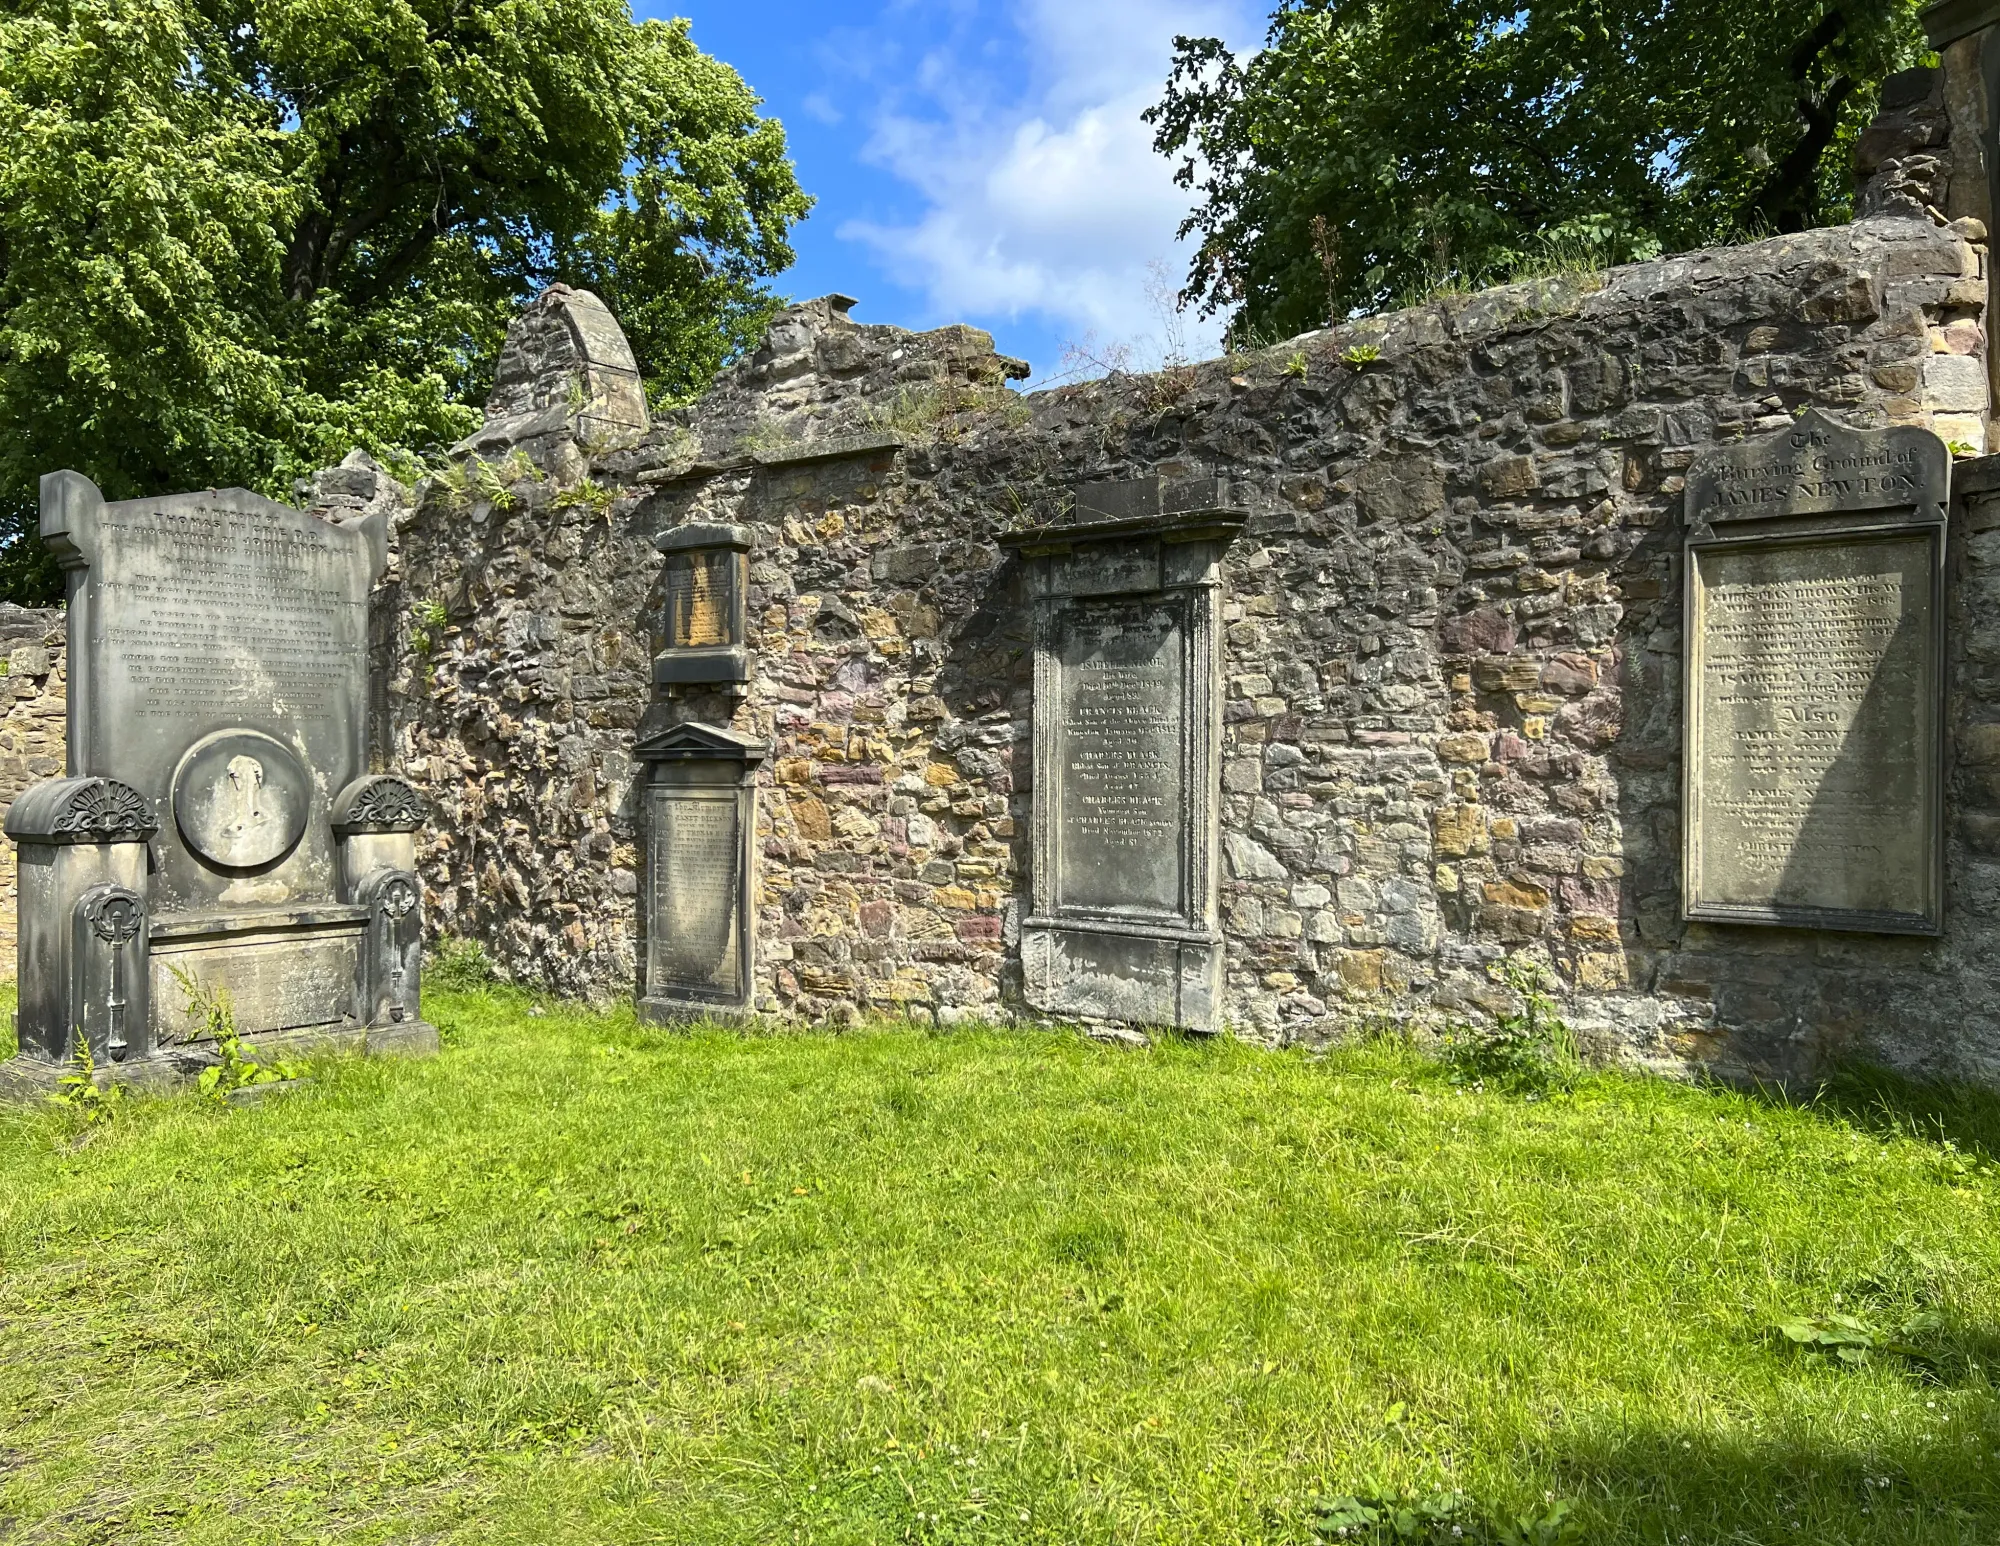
(457, 963)
(1529, 1049)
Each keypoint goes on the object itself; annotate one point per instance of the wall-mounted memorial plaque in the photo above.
(1813, 744)
(699, 801)
(704, 594)
(1127, 738)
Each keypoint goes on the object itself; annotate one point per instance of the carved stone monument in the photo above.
(1814, 681)
(705, 594)
(219, 832)
(700, 816)
(1127, 736)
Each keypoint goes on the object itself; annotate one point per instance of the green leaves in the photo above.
(78, 1090)
(240, 237)
(1376, 150)
(1852, 1339)
(1436, 1519)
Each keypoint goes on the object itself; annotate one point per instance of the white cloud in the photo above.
(1047, 198)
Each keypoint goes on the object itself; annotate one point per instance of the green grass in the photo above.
(579, 1280)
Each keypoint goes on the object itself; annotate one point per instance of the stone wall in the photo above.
(1452, 646)
(31, 728)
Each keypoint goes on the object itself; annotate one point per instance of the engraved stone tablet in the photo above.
(1814, 690)
(696, 871)
(700, 810)
(1122, 734)
(699, 601)
(1126, 744)
(198, 618)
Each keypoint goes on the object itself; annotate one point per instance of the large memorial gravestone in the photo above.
(1814, 681)
(218, 836)
(699, 802)
(1127, 737)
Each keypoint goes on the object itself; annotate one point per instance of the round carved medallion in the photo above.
(240, 799)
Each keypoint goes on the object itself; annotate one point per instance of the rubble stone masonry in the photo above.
(1451, 649)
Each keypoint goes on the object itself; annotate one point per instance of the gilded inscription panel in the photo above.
(1814, 696)
(697, 883)
(1123, 731)
(699, 598)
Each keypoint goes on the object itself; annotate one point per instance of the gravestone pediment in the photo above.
(695, 742)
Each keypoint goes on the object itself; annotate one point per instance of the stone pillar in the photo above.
(375, 822)
(82, 963)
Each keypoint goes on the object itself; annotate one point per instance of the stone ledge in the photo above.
(831, 449)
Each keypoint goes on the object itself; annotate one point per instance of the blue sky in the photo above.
(978, 161)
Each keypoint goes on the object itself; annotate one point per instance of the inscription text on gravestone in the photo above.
(1127, 735)
(1123, 736)
(700, 804)
(695, 846)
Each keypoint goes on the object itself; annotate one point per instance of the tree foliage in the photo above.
(239, 237)
(1376, 149)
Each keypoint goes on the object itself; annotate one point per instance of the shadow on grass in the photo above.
(1889, 1105)
(1663, 1485)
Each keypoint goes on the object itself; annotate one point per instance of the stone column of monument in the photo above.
(1127, 741)
(83, 934)
(218, 692)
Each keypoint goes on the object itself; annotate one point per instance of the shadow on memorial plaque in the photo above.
(699, 918)
(1813, 745)
(218, 836)
(1127, 741)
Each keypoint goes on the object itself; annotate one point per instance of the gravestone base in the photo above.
(656, 1009)
(1143, 976)
(25, 1078)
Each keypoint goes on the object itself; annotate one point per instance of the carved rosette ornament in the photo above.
(381, 802)
(398, 897)
(114, 914)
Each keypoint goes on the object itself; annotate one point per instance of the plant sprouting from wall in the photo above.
(428, 620)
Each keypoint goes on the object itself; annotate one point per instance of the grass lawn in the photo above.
(579, 1280)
